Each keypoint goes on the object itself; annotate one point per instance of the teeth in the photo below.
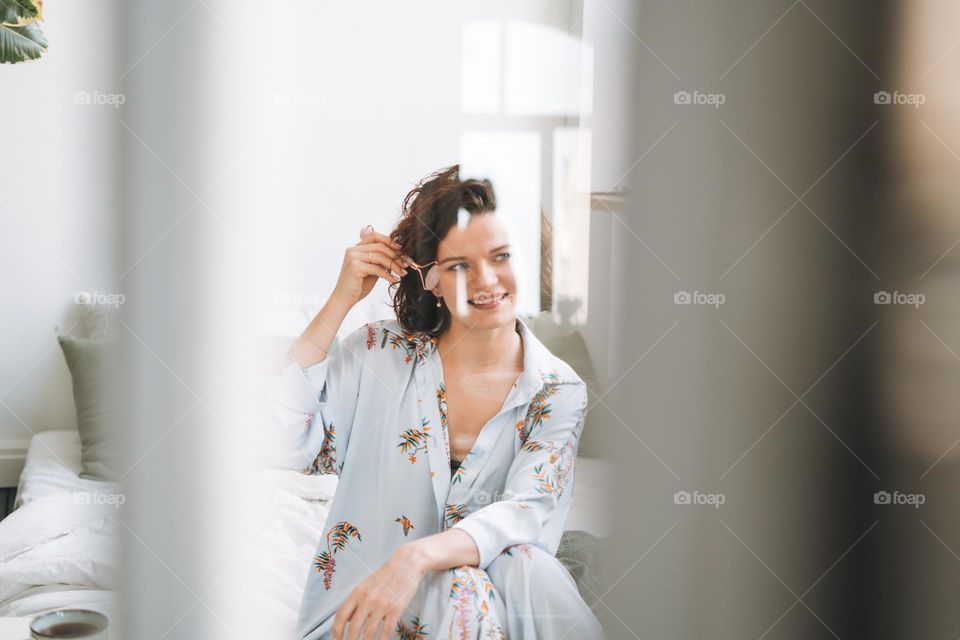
(486, 299)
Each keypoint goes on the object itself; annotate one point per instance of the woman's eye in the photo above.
(501, 257)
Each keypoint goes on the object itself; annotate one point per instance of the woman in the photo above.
(453, 431)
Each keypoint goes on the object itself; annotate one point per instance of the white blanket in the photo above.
(281, 548)
(58, 551)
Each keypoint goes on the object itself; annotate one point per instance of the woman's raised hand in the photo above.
(375, 256)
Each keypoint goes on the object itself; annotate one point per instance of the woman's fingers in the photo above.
(378, 625)
(359, 618)
(376, 267)
(378, 254)
(389, 622)
(377, 270)
(367, 234)
(373, 267)
(376, 246)
(370, 237)
(342, 617)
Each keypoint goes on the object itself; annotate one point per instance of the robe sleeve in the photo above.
(314, 408)
(539, 481)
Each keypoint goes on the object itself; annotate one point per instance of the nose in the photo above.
(485, 276)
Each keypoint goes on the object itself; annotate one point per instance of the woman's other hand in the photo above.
(375, 256)
(382, 597)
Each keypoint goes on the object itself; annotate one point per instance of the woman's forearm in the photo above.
(312, 345)
(450, 548)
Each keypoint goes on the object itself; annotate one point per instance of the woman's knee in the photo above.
(524, 564)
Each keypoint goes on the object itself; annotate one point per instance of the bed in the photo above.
(58, 548)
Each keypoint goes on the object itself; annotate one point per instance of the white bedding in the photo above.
(52, 467)
(57, 551)
(57, 548)
(281, 548)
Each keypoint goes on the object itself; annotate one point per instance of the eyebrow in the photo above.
(445, 260)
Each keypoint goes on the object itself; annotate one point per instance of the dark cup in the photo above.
(79, 624)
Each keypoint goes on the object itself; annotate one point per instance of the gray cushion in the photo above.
(573, 350)
(89, 364)
(579, 552)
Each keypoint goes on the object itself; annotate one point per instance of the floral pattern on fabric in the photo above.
(454, 513)
(337, 539)
(522, 548)
(472, 591)
(442, 407)
(539, 409)
(325, 463)
(417, 345)
(405, 523)
(413, 440)
(416, 630)
(553, 474)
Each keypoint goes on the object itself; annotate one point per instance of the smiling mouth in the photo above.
(482, 300)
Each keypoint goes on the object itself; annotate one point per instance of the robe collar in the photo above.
(540, 368)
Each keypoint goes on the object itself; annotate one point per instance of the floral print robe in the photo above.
(374, 413)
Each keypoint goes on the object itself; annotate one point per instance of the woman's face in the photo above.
(477, 282)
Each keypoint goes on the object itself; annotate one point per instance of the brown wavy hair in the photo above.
(429, 212)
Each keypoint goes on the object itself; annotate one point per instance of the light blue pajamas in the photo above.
(374, 413)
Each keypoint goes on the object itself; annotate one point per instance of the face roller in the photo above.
(433, 274)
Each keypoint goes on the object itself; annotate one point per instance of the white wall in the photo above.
(352, 107)
(57, 207)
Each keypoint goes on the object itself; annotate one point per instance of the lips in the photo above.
(481, 300)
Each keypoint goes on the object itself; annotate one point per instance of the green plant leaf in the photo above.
(19, 44)
(17, 13)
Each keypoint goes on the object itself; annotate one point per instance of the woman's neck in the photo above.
(466, 347)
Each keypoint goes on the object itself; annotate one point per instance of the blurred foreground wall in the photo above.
(748, 262)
